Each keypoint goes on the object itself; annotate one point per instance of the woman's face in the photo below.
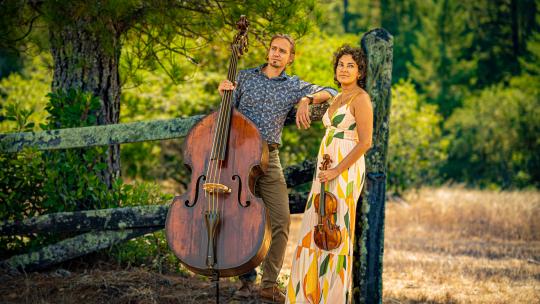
(347, 70)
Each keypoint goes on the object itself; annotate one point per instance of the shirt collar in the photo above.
(282, 76)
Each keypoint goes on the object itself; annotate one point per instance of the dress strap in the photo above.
(352, 97)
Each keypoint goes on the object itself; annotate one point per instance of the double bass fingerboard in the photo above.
(221, 135)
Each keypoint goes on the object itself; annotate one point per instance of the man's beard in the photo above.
(274, 64)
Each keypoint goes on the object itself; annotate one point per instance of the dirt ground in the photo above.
(135, 285)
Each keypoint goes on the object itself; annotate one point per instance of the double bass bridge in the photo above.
(216, 188)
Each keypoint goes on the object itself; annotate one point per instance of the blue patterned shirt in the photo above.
(267, 101)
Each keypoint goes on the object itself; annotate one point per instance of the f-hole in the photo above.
(201, 178)
(247, 203)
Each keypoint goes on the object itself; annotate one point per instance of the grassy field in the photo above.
(452, 245)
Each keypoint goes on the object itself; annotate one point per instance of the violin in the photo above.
(219, 226)
(327, 234)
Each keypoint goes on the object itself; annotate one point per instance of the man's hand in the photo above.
(225, 85)
(302, 114)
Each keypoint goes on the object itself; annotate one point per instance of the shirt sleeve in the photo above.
(237, 93)
(309, 88)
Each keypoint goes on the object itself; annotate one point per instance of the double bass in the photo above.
(219, 226)
(327, 235)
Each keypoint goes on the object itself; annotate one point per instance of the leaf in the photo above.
(346, 219)
(350, 187)
(337, 119)
(297, 288)
(329, 137)
(340, 135)
(351, 127)
(340, 263)
(324, 266)
(310, 200)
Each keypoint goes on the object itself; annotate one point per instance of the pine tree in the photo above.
(501, 29)
(442, 67)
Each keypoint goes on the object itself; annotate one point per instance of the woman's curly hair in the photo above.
(359, 57)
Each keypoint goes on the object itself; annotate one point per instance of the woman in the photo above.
(317, 275)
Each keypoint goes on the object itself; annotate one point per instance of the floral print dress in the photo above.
(320, 276)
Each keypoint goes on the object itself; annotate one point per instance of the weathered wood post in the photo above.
(368, 252)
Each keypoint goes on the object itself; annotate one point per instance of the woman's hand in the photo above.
(225, 85)
(328, 175)
(302, 114)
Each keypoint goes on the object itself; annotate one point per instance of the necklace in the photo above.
(345, 96)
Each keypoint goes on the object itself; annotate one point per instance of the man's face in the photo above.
(279, 54)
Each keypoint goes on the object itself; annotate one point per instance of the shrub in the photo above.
(496, 136)
(417, 149)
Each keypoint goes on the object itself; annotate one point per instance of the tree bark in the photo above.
(87, 59)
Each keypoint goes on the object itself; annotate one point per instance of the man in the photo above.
(265, 95)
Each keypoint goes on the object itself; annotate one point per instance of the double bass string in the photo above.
(213, 158)
(227, 104)
(214, 169)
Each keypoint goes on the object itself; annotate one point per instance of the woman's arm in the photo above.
(363, 116)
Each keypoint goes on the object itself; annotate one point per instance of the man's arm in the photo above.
(311, 94)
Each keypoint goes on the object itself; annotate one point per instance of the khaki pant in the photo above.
(273, 190)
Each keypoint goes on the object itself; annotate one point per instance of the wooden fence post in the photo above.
(369, 248)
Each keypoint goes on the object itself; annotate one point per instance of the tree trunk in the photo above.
(369, 236)
(87, 59)
(346, 17)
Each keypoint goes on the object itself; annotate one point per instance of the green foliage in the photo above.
(441, 66)
(73, 181)
(20, 117)
(417, 148)
(169, 37)
(501, 29)
(401, 18)
(495, 136)
(21, 178)
(142, 193)
(150, 251)
(23, 95)
(9, 62)
(34, 183)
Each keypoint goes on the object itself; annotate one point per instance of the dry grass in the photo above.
(452, 245)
